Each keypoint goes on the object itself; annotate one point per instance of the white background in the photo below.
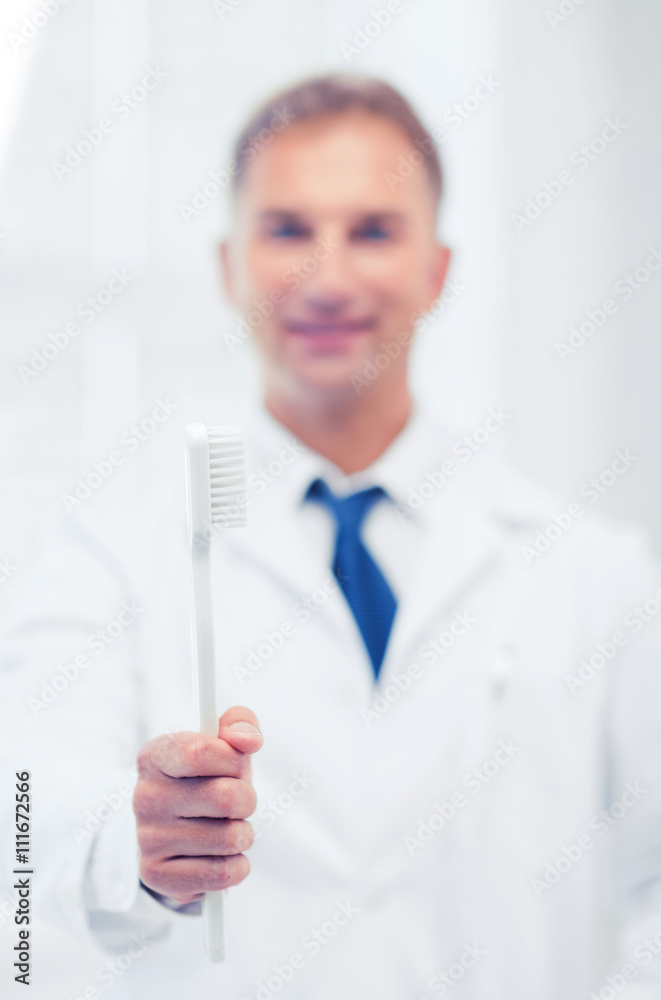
(61, 240)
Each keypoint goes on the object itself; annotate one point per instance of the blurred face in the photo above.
(329, 258)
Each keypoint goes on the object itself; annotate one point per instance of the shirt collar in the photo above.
(399, 468)
(281, 468)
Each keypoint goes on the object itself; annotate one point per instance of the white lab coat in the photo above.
(386, 866)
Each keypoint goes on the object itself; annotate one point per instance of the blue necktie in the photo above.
(366, 589)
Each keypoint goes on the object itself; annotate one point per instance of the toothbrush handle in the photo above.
(205, 672)
(213, 916)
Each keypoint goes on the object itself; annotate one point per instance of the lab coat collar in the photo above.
(402, 464)
(279, 470)
(467, 522)
(476, 521)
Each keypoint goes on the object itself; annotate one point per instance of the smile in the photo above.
(329, 328)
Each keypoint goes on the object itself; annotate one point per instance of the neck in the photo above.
(351, 433)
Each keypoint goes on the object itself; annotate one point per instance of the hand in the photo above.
(191, 802)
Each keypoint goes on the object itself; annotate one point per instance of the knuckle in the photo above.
(246, 714)
(251, 804)
(194, 753)
(156, 753)
(143, 800)
(144, 759)
(229, 796)
(164, 747)
(241, 869)
(150, 839)
(218, 873)
(243, 766)
(234, 837)
(246, 835)
(150, 873)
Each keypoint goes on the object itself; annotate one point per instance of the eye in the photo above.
(372, 232)
(289, 230)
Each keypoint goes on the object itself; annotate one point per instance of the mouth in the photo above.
(330, 329)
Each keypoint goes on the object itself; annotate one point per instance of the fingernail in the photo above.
(244, 727)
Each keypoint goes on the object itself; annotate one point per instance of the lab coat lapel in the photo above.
(464, 543)
(274, 543)
(280, 468)
(472, 527)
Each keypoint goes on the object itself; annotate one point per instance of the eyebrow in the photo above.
(394, 218)
(294, 215)
(278, 215)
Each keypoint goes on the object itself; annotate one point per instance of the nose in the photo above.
(331, 287)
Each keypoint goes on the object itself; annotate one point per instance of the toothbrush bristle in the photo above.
(228, 476)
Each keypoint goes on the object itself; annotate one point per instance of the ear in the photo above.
(439, 270)
(227, 276)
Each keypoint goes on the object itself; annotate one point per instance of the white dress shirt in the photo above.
(392, 531)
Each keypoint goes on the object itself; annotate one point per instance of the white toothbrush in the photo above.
(215, 466)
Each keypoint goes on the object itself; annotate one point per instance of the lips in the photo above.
(329, 328)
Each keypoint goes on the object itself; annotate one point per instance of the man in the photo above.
(455, 675)
(379, 264)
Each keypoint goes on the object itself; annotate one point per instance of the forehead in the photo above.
(352, 161)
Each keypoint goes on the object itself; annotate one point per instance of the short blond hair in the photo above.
(329, 95)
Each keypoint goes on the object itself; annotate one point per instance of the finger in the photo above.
(239, 713)
(239, 727)
(196, 838)
(215, 798)
(188, 876)
(189, 755)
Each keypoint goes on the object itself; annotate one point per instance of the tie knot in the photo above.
(349, 511)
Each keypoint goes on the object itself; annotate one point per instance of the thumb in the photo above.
(239, 727)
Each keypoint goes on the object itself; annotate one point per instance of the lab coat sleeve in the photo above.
(634, 793)
(72, 691)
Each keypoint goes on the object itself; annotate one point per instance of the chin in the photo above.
(329, 368)
(331, 377)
